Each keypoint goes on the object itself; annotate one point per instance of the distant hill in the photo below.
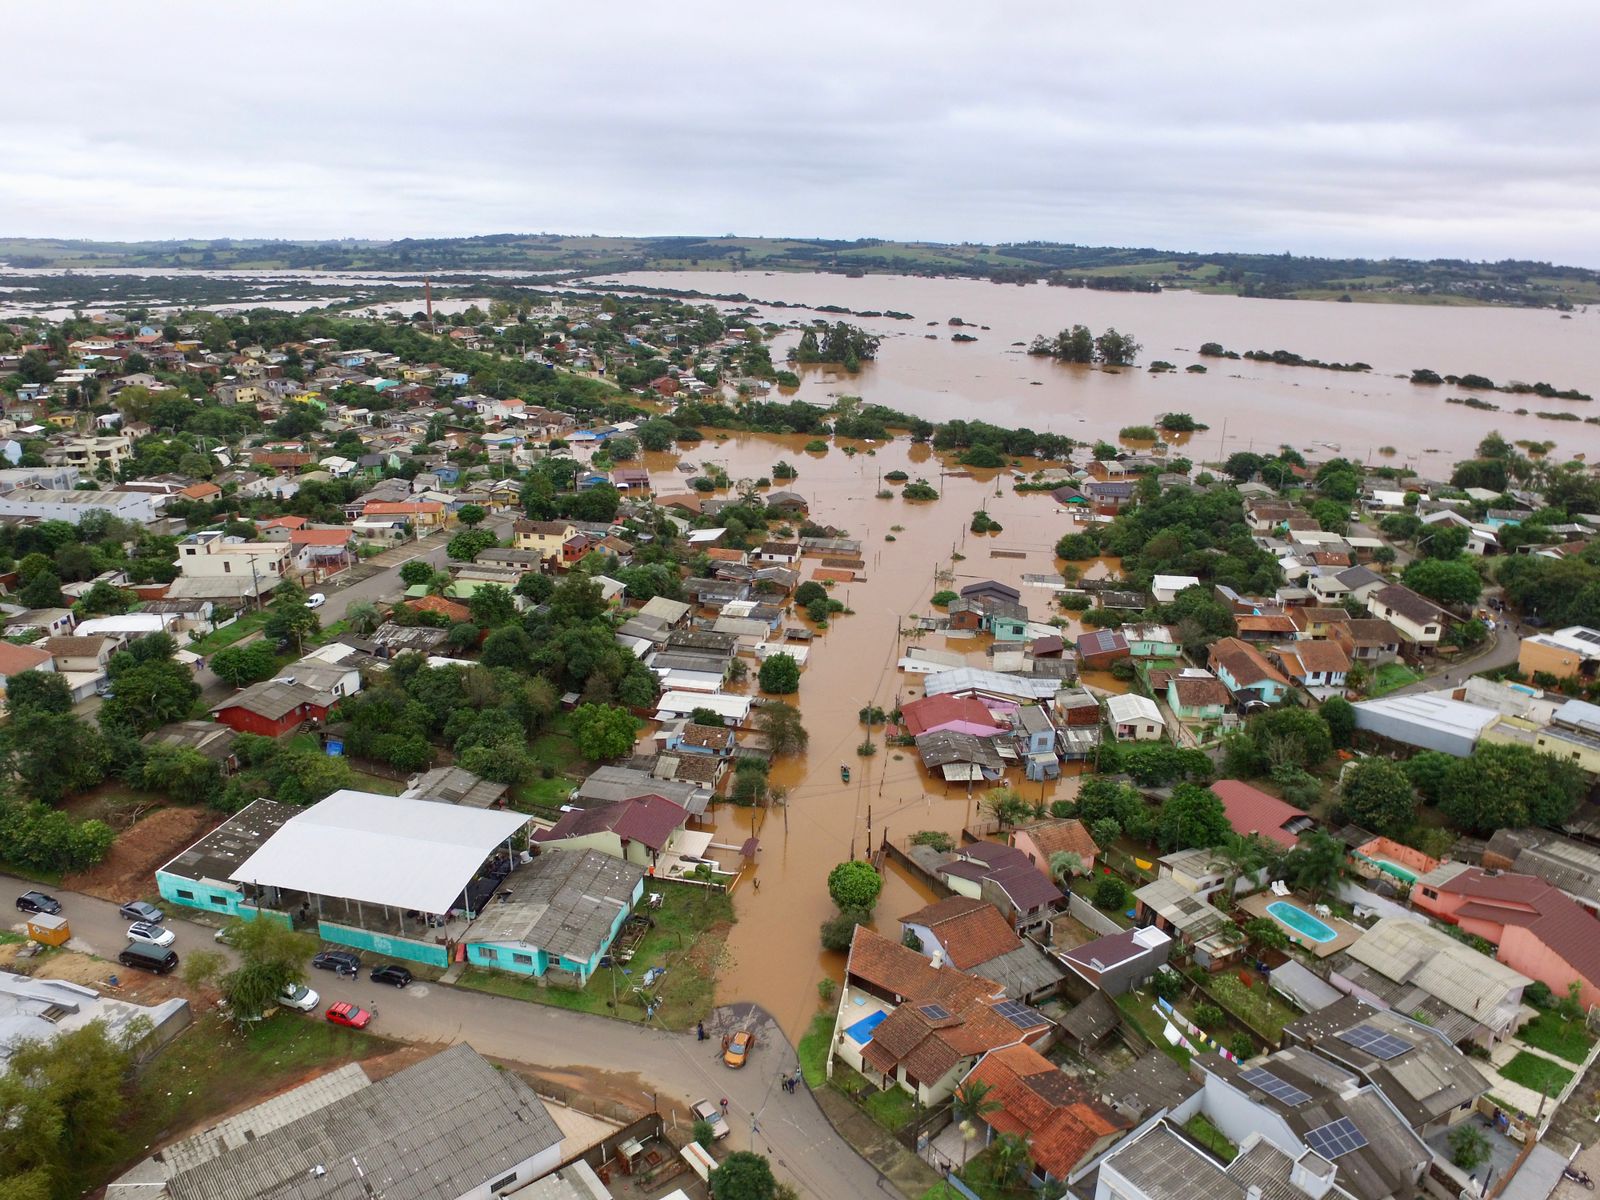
(1438, 281)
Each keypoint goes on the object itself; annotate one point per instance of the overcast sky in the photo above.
(1469, 128)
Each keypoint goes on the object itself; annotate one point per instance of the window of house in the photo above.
(489, 952)
(220, 901)
(184, 894)
(506, 1182)
(525, 960)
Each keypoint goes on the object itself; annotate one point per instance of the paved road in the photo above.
(386, 584)
(789, 1129)
(1503, 653)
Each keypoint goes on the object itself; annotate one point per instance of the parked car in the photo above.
(38, 902)
(138, 910)
(391, 973)
(708, 1112)
(738, 1051)
(345, 1013)
(299, 996)
(316, 600)
(150, 934)
(149, 958)
(340, 962)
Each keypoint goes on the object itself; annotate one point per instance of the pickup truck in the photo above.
(708, 1112)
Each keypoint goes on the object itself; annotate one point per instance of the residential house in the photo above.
(639, 830)
(918, 1026)
(1246, 673)
(714, 741)
(1311, 622)
(1572, 652)
(1165, 588)
(1151, 641)
(15, 659)
(319, 553)
(1318, 666)
(1120, 962)
(1004, 877)
(1133, 717)
(42, 1010)
(421, 515)
(1535, 927)
(81, 661)
(788, 503)
(1427, 1080)
(938, 714)
(1196, 695)
(1159, 1162)
(1036, 742)
(991, 589)
(272, 708)
(1042, 840)
(1100, 648)
(1110, 496)
(1062, 1122)
(206, 738)
(1251, 811)
(1419, 621)
(563, 915)
(1264, 627)
(215, 566)
(971, 935)
(1410, 967)
(456, 785)
(1170, 907)
(1369, 641)
(960, 757)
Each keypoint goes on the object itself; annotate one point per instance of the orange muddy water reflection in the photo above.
(774, 956)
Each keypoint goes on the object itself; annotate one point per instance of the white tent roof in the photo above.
(412, 854)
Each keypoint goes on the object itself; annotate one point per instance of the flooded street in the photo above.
(774, 954)
(1261, 404)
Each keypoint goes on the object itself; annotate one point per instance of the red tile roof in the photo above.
(400, 508)
(1244, 663)
(933, 712)
(1039, 1102)
(1547, 912)
(1250, 810)
(1062, 834)
(449, 608)
(971, 931)
(649, 819)
(319, 537)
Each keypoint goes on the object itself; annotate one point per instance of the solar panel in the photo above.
(1019, 1015)
(1336, 1138)
(1375, 1042)
(934, 1012)
(1278, 1089)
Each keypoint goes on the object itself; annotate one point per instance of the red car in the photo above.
(352, 1015)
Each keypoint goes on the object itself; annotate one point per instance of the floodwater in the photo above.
(1246, 404)
(774, 955)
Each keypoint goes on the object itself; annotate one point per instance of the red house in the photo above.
(271, 709)
(1250, 810)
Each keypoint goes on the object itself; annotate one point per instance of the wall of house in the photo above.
(1522, 950)
(1554, 660)
(603, 840)
(242, 720)
(515, 957)
(1237, 1116)
(1024, 841)
(391, 946)
(1586, 756)
(533, 1167)
(214, 897)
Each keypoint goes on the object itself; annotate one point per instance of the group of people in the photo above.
(792, 1082)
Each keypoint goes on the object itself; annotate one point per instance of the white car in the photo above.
(299, 996)
(316, 600)
(150, 935)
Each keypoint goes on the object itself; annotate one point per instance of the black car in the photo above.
(391, 973)
(38, 902)
(340, 962)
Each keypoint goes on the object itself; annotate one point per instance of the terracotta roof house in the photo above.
(1246, 672)
(1250, 810)
(639, 830)
(921, 1026)
(1042, 840)
(455, 613)
(1368, 640)
(1536, 927)
(972, 936)
(1196, 695)
(1313, 664)
(935, 714)
(1063, 1123)
(200, 491)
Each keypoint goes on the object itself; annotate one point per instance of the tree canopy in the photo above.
(854, 885)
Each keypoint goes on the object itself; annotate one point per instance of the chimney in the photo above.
(937, 959)
(1253, 1192)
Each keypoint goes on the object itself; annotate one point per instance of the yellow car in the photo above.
(738, 1051)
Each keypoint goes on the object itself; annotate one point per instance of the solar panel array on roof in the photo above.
(1588, 635)
(1018, 1014)
(1375, 1042)
(1278, 1089)
(934, 1012)
(1336, 1138)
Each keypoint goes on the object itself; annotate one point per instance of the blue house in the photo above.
(447, 472)
(452, 379)
(716, 741)
(565, 912)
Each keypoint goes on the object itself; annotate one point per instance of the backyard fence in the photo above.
(1087, 915)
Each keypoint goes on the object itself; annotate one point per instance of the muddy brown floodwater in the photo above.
(1246, 404)
(774, 955)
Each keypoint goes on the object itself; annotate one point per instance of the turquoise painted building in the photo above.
(566, 910)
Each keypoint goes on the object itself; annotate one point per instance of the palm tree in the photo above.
(1318, 864)
(971, 1103)
(1011, 1157)
(1240, 856)
(362, 616)
(1064, 864)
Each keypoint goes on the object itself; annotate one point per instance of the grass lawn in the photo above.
(1537, 1073)
(893, 1109)
(1549, 1032)
(554, 748)
(1258, 1005)
(210, 1068)
(229, 634)
(1209, 1136)
(979, 1175)
(1136, 1006)
(1391, 676)
(680, 941)
(813, 1049)
(1084, 885)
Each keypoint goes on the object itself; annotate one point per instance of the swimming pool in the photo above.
(861, 1031)
(1393, 868)
(1302, 922)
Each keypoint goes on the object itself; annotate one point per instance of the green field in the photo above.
(1568, 1039)
(1540, 1074)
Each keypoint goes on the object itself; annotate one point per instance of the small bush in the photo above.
(941, 599)
(896, 476)
(1110, 893)
(816, 446)
(1076, 602)
(1208, 1016)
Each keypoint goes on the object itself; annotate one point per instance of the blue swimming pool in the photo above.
(1302, 922)
(861, 1031)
